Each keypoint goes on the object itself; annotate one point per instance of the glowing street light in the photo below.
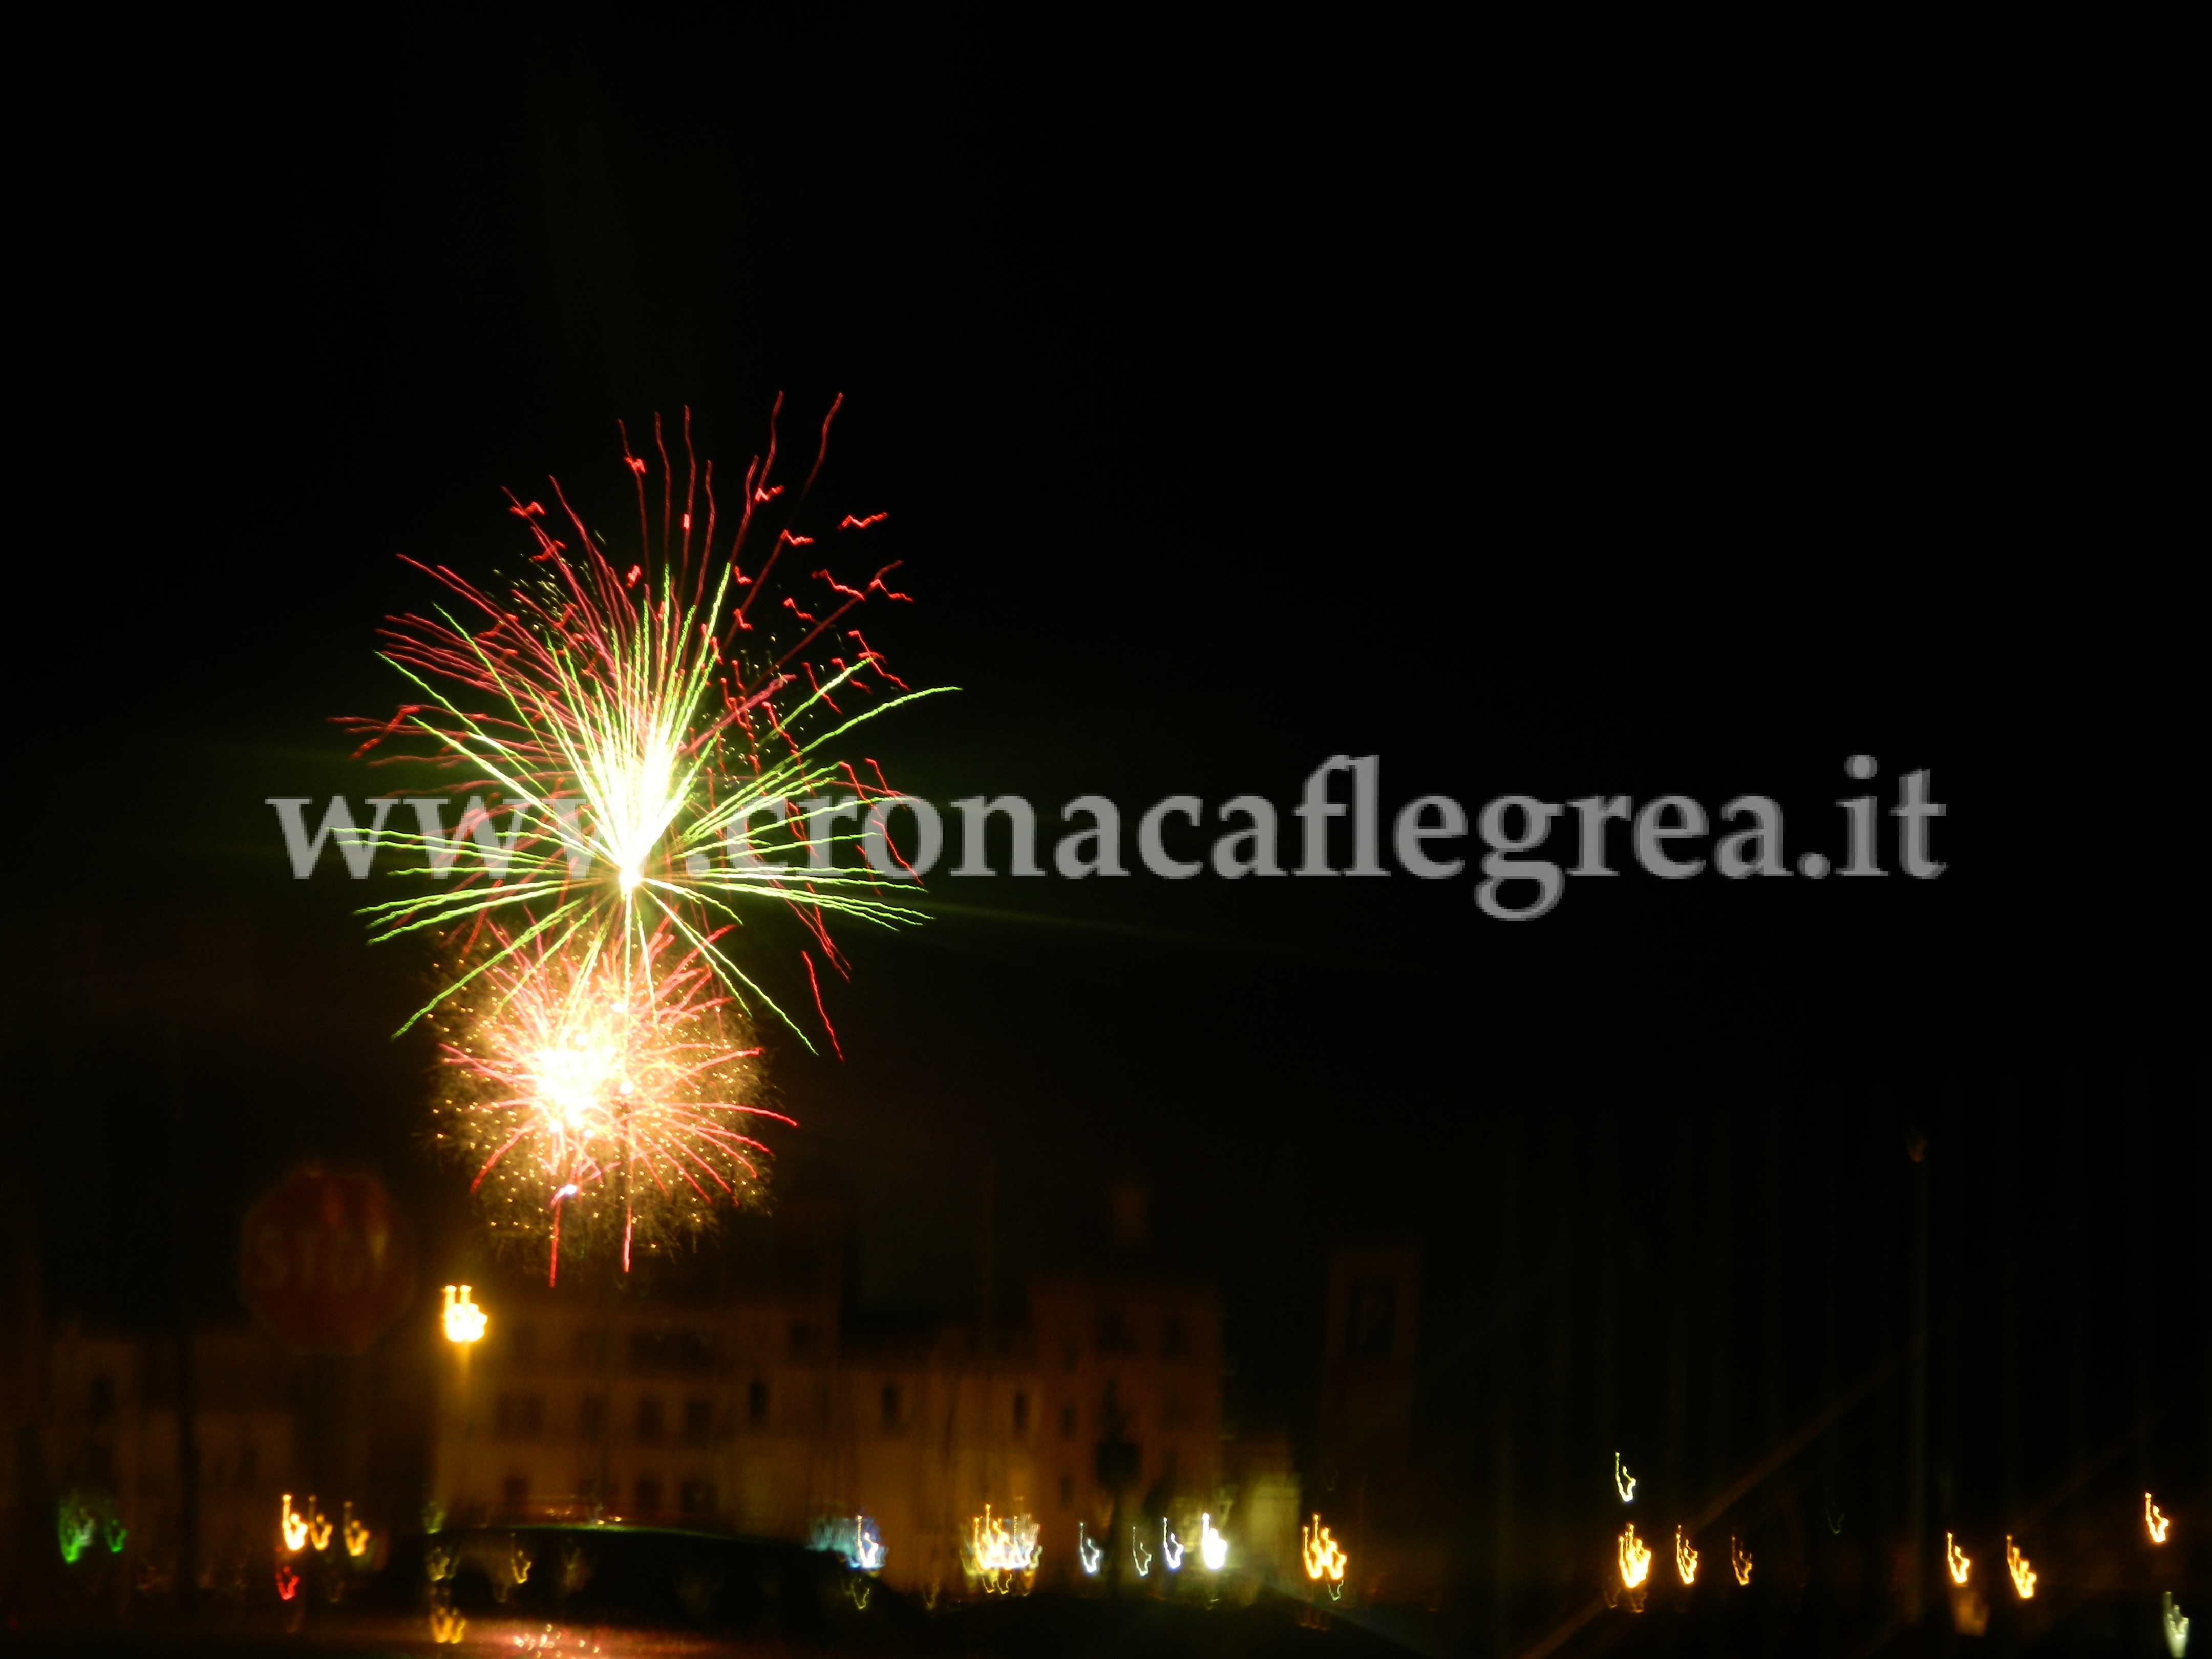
(356, 1535)
(1213, 1547)
(1091, 1553)
(2023, 1575)
(1957, 1560)
(464, 1321)
(293, 1524)
(1324, 1556)
(2154, 1518)
(2177, 1627)
(1686, 1558)
(1635, 1558)
(1739, 1561)
(1623, 1481)
(1170, 1545)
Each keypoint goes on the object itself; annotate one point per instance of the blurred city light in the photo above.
(1324, 1557)
(2155, 1519)
(464, 1321)
(1213, 1547)
(2023, 1575)
(293, 1524)
(1686, 1558)
(1635, 1558)
(1956, 1559)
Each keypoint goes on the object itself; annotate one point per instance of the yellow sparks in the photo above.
(1635, 1558)
(1739, 1561)
(2023, 1575)
(1957, 1560)
(1623, 1481)
(2154, 1518)
(464, 1321)
(1324, 1557)
(1686, 1558)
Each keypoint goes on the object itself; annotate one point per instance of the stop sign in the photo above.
(327, 1261)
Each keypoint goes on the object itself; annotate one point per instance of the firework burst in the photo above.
(601, 1099)
(658, 738)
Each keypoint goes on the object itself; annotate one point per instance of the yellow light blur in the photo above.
(1635, 1558)
(1686, 1558)
(2023, 1575)
(464, 1321)
(998, 1548)
(446, 1625)
(1324, 1557)
(318, 1528)
(1213, 1547)
(1623, 1481)
(2154, 1518)
(2177, 1627)
(1956, 1559)
(293, 1524)
(1739, 1561)
(357, 1535)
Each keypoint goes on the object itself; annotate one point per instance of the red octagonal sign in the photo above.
(328, 1261)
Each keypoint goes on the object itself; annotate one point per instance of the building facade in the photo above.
(762, 1413)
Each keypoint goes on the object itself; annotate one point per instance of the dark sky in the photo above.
(1229, 415)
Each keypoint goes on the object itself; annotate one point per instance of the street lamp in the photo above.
(464, 1321)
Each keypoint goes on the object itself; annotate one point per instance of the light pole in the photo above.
(465, 1324)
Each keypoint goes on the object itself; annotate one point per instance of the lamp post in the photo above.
(465, 1325)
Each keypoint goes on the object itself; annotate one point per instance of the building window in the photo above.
(698, 1421)
(592, 1417)
(100, 1405)
(649, 1418)
(890, 1405)
(757, 1402)
(1021, 1414)
(1067, 1492)
(1175, 1341)
(1174, 1414)
(1067, 1422)
(671, 1350)
(696, 1496)
(802, 1339)
(518, 1416)
(1370, 1319)
(1114, 1332)
(517, 1491)
(648, 1494)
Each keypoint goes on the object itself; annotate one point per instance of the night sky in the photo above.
(1228, 417)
